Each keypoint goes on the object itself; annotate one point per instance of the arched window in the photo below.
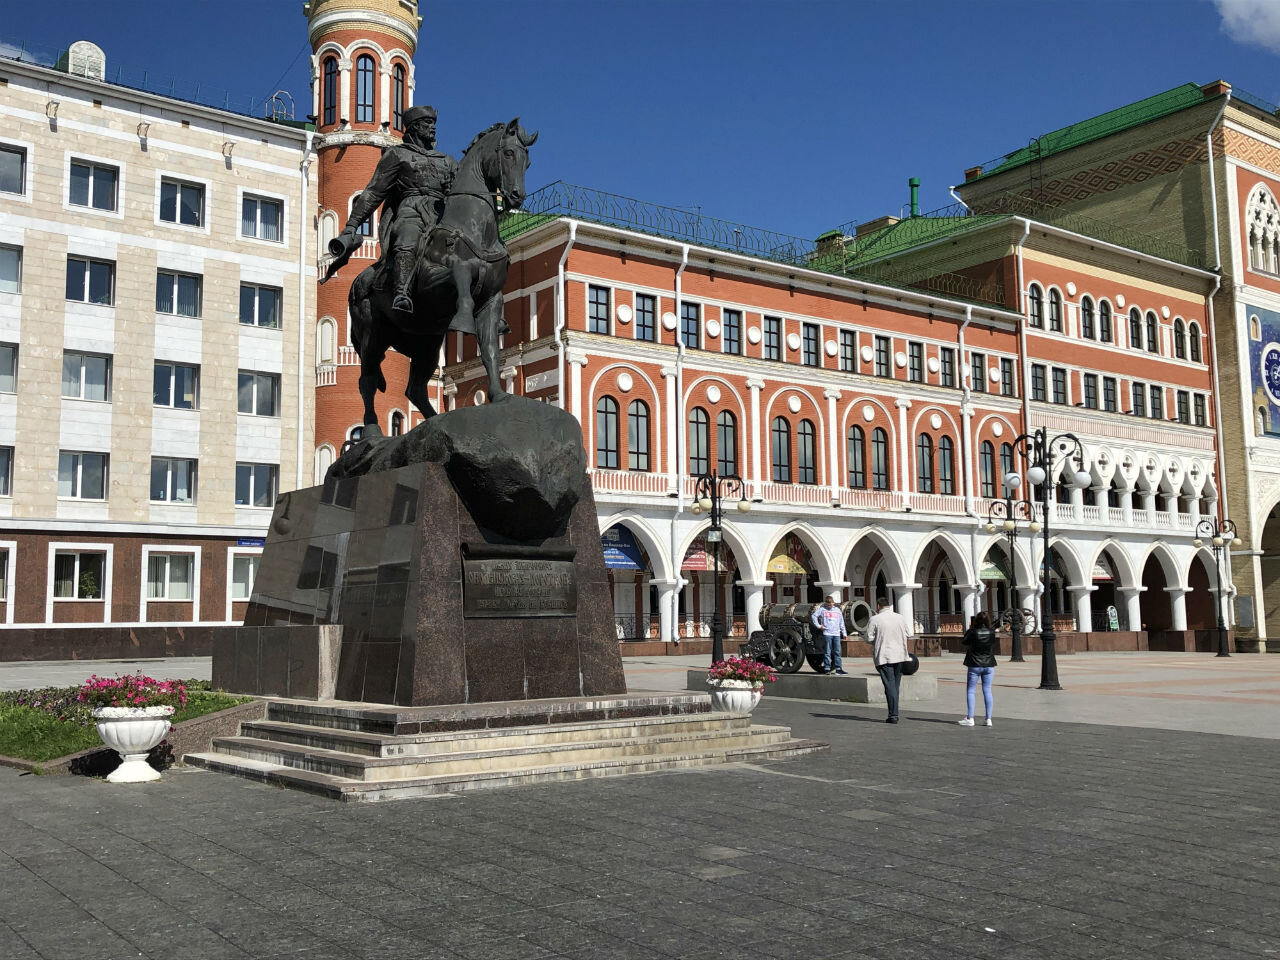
(924, 464)
(946, 466)
(1104, 321)
(987, 469)
(1262, 421)
(365, 229)
(325, 337)
(726, 443)
(1179, 339)
(1006, 461)
(324, 460)
(607, 433)
(1193, 334)
(857, 456)
(397, 423)
(806, 453)
(1135, 329)
(364, 88)
(1086, 317)
(1035, 301)
(699, 442)
(1055, 311)
(397, 97)
(638, 436)
(1263, 217)
(879, 459)
(330, 92)
(356, 433)
(1255, 327)
(781, 449)
(1153, 336)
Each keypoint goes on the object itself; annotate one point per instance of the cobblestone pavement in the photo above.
(921, 840)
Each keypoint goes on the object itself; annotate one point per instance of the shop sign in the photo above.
(621, 552)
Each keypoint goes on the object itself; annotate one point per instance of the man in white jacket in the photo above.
(889, 632)
(828, 619)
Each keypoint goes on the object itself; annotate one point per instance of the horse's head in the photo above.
(511, 161)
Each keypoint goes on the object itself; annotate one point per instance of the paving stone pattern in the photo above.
(921, 840)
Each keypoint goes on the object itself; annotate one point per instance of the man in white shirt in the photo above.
(890, 634)
(828, 619)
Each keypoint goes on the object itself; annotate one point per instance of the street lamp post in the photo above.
(708, 493)
(1039, 452)
(1003, 516)
(1220, 534)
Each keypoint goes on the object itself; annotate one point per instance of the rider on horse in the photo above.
(412, 179)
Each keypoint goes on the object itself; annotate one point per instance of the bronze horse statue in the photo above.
(461, 269)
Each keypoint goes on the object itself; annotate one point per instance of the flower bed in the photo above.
(752, 672)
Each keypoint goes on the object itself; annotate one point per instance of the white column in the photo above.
(753, 593)
(967, 459)
(1084, 607)
(756, 439)
(906, 601)
(508, 375)
(1126, 505)
(451, 395)
(315, 87)
(1077, 502)
(904, 447)
(666, 609)
(576, 360)
(970, 597)
(1194, 503)
(833, 433)
(1133, 606)
(673, 467)
(384, 95)
(1149, 505)
(344, 89)
(833, 588)
(1178, 602)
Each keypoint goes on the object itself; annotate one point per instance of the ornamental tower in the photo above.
(361, 84)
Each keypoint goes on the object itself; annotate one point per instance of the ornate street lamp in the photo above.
(708, 492)
(1040, 453)
(1220, 534)
(1003, 516)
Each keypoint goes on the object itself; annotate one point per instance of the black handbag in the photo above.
(911, 666)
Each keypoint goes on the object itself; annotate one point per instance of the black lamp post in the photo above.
(1220, 534)
(1040, 452)
(1003, 516)
(708, 493)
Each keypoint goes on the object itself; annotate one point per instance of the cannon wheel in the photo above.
(786, 651)
(815, 661)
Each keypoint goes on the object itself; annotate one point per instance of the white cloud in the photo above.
(1255, 22)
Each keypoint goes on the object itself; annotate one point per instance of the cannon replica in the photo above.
(788, 638)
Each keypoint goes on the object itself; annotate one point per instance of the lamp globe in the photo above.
(1035, 476)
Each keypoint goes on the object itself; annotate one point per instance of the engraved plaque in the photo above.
(510, 582)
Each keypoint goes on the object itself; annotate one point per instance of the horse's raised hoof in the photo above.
(403, 304)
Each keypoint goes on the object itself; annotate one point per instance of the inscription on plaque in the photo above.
(518, 587)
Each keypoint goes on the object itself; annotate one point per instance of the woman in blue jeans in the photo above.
(980, 658)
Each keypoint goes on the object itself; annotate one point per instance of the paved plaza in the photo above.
(1033, 839)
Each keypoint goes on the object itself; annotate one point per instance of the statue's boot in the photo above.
(405, 260)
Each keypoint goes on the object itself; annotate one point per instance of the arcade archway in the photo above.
(630, 572)
(697, 601)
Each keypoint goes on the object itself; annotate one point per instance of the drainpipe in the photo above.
(677, 466)
(914, 184)
(956, 197)
(1022, 332)
(303, 321)
(966, 418)
(561, 318)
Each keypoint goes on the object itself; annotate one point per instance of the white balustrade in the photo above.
(628, 481)
(347, 357)
(326, 374)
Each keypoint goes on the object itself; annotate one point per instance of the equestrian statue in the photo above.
(443, 264)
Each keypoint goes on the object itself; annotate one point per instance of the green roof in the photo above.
(913, 232)
(1103, 125)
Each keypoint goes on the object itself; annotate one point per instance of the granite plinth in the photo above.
(278, 661)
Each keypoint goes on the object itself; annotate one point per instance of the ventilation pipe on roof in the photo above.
(914, 184)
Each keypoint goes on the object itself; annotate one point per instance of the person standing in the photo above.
(889, 633)
(980, 658)
(829, 619)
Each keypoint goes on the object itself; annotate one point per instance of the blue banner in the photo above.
(621, 552)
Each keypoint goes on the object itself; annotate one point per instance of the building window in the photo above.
(365, 229)
(1086, 318)
(699, 442)
(1038, 383)
(1104, 321)
(258, 394)
(13, 169)
(1135, 329)
(1194, 336)
(1179, 339)
(6, 479)
(182, 203)
(857, 457)
(1055, 311)
(809, 335)
(1263, 217)
(726, 443)
(172, 480)
(1035, 303)
(79, 576)
(924, 464)
(806, 453)
(397, 97)
(8, 368)
(1201, 418)
(946, 466)
(1109, 394)
(781, 449)
(82, 476)
(773, 338)
(607, 433)
(176, 385)
(915, 362)
(879, 459)
(646, 317)
(178, 293)
(10, 269)
(364, 88)
(91, 281)
(1007, 387)
(848, 351)
(93, 185)
(1006, 461)
(1183, 401)
(260, 306)
(1091, 391)
(978, 378)
(1153, 336)
(86, 376)
(731, 334)
(883, 361)
(1138, 394)
(256, 484)
(987, 469)
(947, 366)
(262, 218)
(690, 325)
(1157, 402)
(598, 309)
(169, 576)
(397, 424)
(330, 89)
(1059, 385)
(244, 570)
(638, 436)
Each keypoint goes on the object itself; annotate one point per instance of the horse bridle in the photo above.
(502, 182)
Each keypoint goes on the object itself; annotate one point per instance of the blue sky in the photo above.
(794, 115)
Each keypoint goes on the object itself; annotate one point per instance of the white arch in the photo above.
(1071, 560)
(1027, 576)
(403, 416)
(1173, 576)
(779, 393)
(659, 562)
(888, 549)
(955, 553)
(326, 340)
(737, 543)
(1120, 560)
(995, 418)
(707, 378)
(933, 407)
(1262, 217)
(812, 539)
(324, 457)
(624, 405)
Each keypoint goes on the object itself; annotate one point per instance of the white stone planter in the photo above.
(734, 696)
(132, 732)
